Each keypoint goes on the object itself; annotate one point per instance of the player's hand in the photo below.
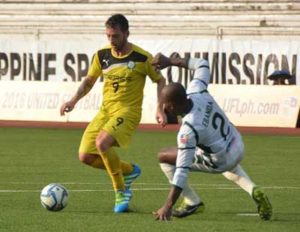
(163, 214)
(66, 107)
(160, 61)
(161, 117)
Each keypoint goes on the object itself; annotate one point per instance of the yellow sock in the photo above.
(98, 163)
(125, 166)
(113, 166)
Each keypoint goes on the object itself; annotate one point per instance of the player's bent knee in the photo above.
(161, 156)
(101, 145)
(104, 141)
(167, 155)
(86, 158)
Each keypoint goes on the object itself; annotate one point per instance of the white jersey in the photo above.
(206, 127)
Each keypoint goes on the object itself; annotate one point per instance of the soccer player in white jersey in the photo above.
(207, 142)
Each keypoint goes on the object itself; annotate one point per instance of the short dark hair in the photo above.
(117, 20)
(174, 93)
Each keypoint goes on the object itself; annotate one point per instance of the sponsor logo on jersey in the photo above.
(118, 78)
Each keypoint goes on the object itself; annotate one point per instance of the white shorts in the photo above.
(220, 162)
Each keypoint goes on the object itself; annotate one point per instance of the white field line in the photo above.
(248, 214)
(107, 183)
(199, 186)
(195, 186)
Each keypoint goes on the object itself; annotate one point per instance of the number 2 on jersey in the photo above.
(219, 117)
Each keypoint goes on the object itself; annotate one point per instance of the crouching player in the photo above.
(206, 142)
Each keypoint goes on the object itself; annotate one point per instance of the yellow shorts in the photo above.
(119, 125)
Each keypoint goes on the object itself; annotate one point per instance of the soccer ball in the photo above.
(54, 197)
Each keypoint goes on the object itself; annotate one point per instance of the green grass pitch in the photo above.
(33, 158)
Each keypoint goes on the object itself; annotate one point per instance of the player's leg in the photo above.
(121, 127)
(113, 164)
(95, 161)
(191, 201)
(167, 160)
(118, 131)
(239, 176)
(111, 160)
(88, 153)
(233, 171)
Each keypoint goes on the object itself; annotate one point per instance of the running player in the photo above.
(206, 142)
(124, 67)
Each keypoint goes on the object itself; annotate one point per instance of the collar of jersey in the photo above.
(121, 57)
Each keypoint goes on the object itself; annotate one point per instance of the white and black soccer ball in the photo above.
(54, 197)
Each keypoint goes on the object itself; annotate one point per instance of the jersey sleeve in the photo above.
(201, 76)
(95, 69)
(152, 73)
(186, 142)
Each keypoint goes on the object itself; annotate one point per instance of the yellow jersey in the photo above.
(124, 77)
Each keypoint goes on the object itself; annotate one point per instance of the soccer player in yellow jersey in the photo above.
(124, 67)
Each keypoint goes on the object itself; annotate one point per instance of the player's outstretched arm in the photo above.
(83, 89)
(160, 61)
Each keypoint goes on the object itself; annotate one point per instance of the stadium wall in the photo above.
(52, 42)
(265, 106)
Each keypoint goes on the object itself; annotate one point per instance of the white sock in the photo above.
(189, 195)
(239, 176)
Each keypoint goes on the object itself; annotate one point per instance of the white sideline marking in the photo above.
(197, 187)
(247, 214)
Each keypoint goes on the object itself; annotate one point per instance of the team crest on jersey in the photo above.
(184, 138)
(130, 64)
